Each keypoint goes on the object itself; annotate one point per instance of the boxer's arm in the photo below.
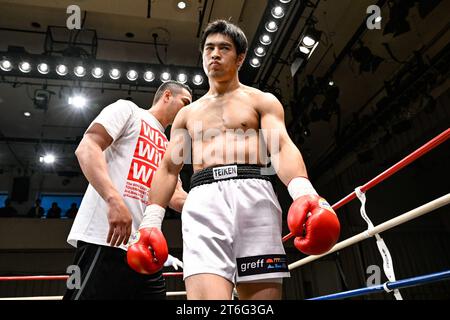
(285, 156)
(166, 177)
(178, 198)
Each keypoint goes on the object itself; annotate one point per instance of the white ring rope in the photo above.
(410, 215)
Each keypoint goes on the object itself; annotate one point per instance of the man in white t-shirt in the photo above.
(119, 155)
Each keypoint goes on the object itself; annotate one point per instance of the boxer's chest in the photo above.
(225, 114)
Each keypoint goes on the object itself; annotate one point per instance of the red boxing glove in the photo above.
(315, 224)
(147, 251)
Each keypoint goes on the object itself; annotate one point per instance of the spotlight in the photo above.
(43, 68)
(114, 74)
(260, 51)
(304, 50)
(6, 65)
(278, 12)
(271, 26)
(62, 70)
(181, 5)
(132, 75)
(27, 114)
(308, 41)
(149, 76)
(182, 78)
(197, 80)
(165, 76)
(79, 71)
(25, 66)
(255, 63)
(47, 159)
(97, 72)
(77, 101)
(331, 83)
(265, 39)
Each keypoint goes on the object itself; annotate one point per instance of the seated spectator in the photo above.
(36, 211)
(72, 212)
(8, 210)
(54, 211)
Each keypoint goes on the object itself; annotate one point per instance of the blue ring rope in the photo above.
(433, 277)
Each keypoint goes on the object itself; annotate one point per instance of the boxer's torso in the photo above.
(226, 129)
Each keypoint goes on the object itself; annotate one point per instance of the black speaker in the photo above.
(20, 189)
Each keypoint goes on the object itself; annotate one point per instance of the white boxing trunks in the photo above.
(231, 225)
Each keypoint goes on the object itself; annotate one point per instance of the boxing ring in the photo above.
(392, 285)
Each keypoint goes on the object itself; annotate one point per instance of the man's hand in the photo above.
(311, 219)
(173, 262)
(148, 250)
(119, 218)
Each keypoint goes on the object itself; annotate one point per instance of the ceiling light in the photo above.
(25, 66)
(255, 63)
(265, 39)
(260, 51)
(97, 72)
(114, 74)
(77, 101)
(277, 12)
(308, 41)
(165, 76)
(271, 26)
(197, 80)
(304, 50)
(62, 69)
(47, 159)
(132, 75)
(149, 76)
(182, 78)
(43, 68)
(6, 65)
(79, 71)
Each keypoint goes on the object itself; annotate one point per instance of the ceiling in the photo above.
(59, 128)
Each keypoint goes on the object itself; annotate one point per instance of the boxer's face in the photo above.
(219, 56)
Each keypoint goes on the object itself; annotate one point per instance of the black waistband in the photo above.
(227, 172)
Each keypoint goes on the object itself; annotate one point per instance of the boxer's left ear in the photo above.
(240, 60)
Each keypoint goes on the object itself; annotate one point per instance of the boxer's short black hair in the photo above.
(228, 29)
(174, 86)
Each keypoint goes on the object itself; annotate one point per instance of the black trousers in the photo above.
(105, 274)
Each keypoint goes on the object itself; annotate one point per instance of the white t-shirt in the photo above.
(133, 157)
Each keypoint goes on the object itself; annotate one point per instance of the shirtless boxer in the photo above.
(231, 220)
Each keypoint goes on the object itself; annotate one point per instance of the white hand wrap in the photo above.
(153, 217)
(300, 186)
